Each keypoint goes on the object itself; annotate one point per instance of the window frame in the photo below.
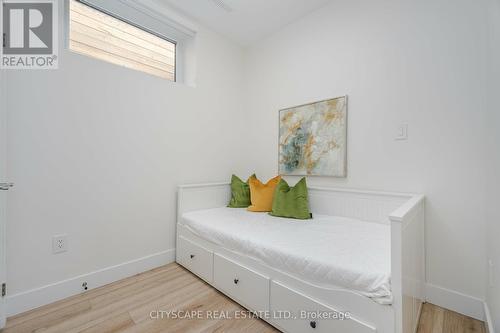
(67, 35)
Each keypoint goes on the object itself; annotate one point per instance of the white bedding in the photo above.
(327, 251)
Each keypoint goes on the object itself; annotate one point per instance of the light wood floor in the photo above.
(125, 306)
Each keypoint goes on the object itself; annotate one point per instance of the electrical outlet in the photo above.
(59, 243)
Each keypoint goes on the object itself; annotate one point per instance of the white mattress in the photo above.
(327, 251)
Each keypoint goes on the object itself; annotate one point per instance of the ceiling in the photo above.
(245, 21)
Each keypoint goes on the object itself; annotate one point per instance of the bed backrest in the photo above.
(202, 196)
(369, 206)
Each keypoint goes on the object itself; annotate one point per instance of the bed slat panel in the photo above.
(364, 206)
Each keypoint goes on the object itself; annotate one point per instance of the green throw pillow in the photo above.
(291, 201)
(240, 193)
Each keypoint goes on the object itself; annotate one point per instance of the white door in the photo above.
(3, 192)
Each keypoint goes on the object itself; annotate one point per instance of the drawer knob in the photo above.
(236, 281)
(313, 324)
(192, 256)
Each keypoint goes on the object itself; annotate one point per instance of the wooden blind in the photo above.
(105, 37)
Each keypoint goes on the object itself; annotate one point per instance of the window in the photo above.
(99, 35)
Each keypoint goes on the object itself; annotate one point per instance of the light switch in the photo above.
(402, 133)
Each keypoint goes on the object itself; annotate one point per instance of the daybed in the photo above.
(361, 255)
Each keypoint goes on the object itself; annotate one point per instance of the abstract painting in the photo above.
(313, 139)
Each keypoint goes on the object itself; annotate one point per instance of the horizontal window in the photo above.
(102, 36)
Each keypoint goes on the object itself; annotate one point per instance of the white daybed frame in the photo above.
(264, 288)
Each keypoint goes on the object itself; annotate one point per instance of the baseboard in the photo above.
(488, 322)
(37, 297)
(456, 301)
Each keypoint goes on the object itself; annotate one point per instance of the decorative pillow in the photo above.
(291, 201)
(240, 192)
(261, 195)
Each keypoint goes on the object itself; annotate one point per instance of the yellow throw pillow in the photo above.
(261, 195)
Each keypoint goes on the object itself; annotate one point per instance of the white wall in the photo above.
(97, 150)
(493, 163)
(415, 62)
